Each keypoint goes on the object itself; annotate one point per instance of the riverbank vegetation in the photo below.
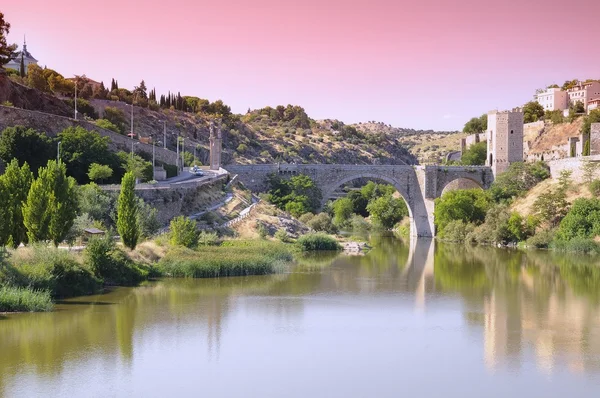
(318, 242)
(562, 216)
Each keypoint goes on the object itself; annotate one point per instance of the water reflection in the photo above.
(517, 307)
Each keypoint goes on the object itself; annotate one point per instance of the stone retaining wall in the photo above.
(572, 164)
(53, 124)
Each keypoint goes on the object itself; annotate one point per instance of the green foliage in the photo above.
(373, 190)
(298, 195)
(476, 125)
(262, 230)
(27, 146)
(469, 205)
(582, 220)
(51, 205)
(282, 235)
(53, 270)
(242, 148)
(108, 125)
(532, 112)
(577, 244)
(183, 232)
(588, 170)
(208, 238)
(99, 172)
(386, 211)
(586, 148)
(295, 116)
(551, 206)
(14, 188)
(317, 241)
(17, 299)
(474, 155)
(343, 209)
(542, 239)
(83, 107)
(359, 203)
(593, 117)
(236, 258)
(141, 168)
(595, 187)
(518, 179)
(81, 148)
(110, 264)
(7, 51)
(116, 117)
(127, 212)
(147, 219)
(457, 231)
(94, 202)
(555, 117)
(322, 223)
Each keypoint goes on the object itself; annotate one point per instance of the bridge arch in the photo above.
(461, 183)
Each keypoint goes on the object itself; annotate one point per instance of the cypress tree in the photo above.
(586, 148)
(116, 85)
(112, 84)
(17, 181)
(63, 203)
(36, 214)
(22, 68)
(5, 215)
(127, 212)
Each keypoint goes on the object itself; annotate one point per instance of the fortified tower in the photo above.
(505, 139)
(216, 141)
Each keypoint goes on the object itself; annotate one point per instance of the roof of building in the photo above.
(94, 231)
(594, 100)
(25, 52)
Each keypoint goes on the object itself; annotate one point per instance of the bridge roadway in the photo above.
(418, 185)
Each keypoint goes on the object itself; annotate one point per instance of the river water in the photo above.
(421, 319)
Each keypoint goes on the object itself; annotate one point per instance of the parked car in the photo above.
(196, 171)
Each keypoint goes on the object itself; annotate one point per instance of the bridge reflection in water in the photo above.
(517, 307)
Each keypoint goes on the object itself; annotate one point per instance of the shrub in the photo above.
(469, 205)
(111, 264)
(238, 258)
(542, 239)
(183, 232)
(242, 148)
(518, 179)
(457, 231)
(317, 241)
(322, 223)
(577, 244)
(262, 230)
(108, 125)
(282, 235)
(359, 223)
(595, 187)
(581, 221)
(17, 299)
(208, 238)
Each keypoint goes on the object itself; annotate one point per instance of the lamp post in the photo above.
(165, 134)
(76, 99)
(58, 153)
(177, 157)
(153, 162)
(182, 153)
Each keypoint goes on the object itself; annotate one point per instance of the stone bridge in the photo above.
(418, 185)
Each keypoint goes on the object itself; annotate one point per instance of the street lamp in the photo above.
(153, 159)
(58, 153)
(165, 134)
(75, 99)
(182, 153)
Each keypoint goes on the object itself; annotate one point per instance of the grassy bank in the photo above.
(317, 241)
(231, 258)
(16, 299)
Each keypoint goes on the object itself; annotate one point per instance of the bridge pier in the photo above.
(418, 185)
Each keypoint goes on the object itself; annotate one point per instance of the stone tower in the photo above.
(504, 139)
(216, 142)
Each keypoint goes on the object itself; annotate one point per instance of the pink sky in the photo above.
(417, 64)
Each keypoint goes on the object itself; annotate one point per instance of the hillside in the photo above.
(282, 134)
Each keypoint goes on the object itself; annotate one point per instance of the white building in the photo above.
(553, 99)
(27, 59)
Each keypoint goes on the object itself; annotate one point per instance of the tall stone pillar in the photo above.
(216, 142)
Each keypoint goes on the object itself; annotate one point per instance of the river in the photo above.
(421, 319)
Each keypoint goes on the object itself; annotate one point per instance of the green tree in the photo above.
(51, 204)
(589, 170)
(532, 112)
(343, 209)
(359, 203)
(63, 203)
(36, 78)
(108, 125)
(386, 211)
(141, 168)
(127, 212)
(476, 125)
(80, 148)
(22, 67)
(94, 202)
(298, 195)
(7, 51)
(518, 179)
(27, 146)
(183, 232)
(582, 220)
(99, 172)
(5, 215)
(17, 182)
(475, 155)
(116, 117)
(593, 117)
(468, 205)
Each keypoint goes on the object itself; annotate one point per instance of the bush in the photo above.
(17, 299)
(52, 270)
(111, 264)
(208, 238)
(581, 221)
(317, 241)
(183, 232)
(282, 235)
(358, 223)
(457, 231)
(262, 230)
(518, 179)
(578, 244)
(322, 223)
(595, 187)
(542, 239)
(236, 258)
(468, 205)
(108, 125)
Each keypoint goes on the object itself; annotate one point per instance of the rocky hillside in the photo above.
(28, 98)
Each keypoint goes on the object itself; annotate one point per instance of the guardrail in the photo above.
(241, 217)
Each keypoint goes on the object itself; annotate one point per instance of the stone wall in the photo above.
(53, 124)
(595, 139)
(572, 164)
(179, 199)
